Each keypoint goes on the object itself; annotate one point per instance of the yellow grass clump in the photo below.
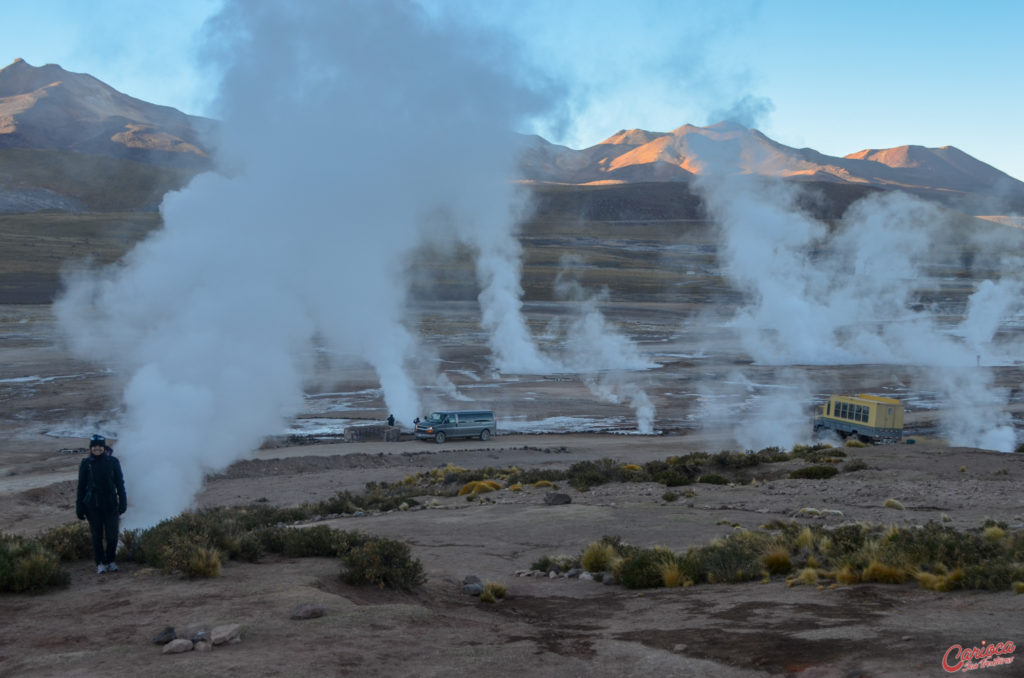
(805, 539)
(543, 483)
(853, 442)
(599, 557)
(495, 589)
(1018, 587)
(893, 504)
(776, 561)
(517, 487)
(883, 574)
(939, 582)
(631, 467)
(808, 576)
(994, 533)
(671, 573)
(847, 576)
(478, 487)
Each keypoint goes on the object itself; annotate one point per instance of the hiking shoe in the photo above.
(112, 567)
(100, 569)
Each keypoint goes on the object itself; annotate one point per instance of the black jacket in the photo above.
(100, 485)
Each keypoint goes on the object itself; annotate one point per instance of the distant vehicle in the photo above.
(440, 426)
(869, 418)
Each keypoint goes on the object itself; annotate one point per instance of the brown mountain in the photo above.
(69, 142)
(727, 148)
(47, 107)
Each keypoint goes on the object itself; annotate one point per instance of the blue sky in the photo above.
(838, 77)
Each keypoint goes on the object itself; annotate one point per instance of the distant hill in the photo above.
(629, 156)
(72, 143)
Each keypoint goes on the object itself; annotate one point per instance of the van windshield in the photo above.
(435, 418)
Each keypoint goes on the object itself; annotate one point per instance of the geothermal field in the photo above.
(648, 339)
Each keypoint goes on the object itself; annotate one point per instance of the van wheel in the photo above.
(485, 435)
(439, 437)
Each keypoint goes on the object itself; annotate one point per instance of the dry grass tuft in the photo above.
(893, 504)
(847, 576)
(883, 574)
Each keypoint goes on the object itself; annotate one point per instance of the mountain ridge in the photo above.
(47, 108)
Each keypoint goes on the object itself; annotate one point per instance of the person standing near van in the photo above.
(101, 500)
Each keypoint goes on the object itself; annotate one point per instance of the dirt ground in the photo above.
(102, 625)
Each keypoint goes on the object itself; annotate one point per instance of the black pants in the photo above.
(103, 524)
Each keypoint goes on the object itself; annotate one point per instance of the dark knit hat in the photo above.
(98, 441)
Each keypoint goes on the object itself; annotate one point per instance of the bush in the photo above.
(27, 566)
(814, 472)
(69, 542)
(643, 570)
(855, 465)
(713, 479)
(737, 558)
(299, 542)
(384, 562)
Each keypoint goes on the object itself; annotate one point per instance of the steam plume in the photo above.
(344, 125)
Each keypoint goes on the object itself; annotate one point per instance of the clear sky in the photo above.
(837, 77)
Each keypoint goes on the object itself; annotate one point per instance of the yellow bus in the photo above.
(869, 418)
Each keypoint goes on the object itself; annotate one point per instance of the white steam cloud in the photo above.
(344, 125)
(846, 296)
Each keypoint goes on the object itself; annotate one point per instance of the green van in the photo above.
(440, 426)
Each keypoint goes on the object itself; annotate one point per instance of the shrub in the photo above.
(301, 542)
(855, 465)
(27, 566)
(487, 597)
(543, 483)
(1018, 587)
(713, 479)
(670, 496)
(385, 562)
(631, 467)
(814, 472)
(737, 558)
(893, 504)
(727, 459)
(69, 542)
(643, 569)
(586, 474)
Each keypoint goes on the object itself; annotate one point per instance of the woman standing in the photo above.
(102, 500)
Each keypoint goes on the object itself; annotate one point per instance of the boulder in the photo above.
(228, 633)
(556, 498)
(177, 646)
(307, 611)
